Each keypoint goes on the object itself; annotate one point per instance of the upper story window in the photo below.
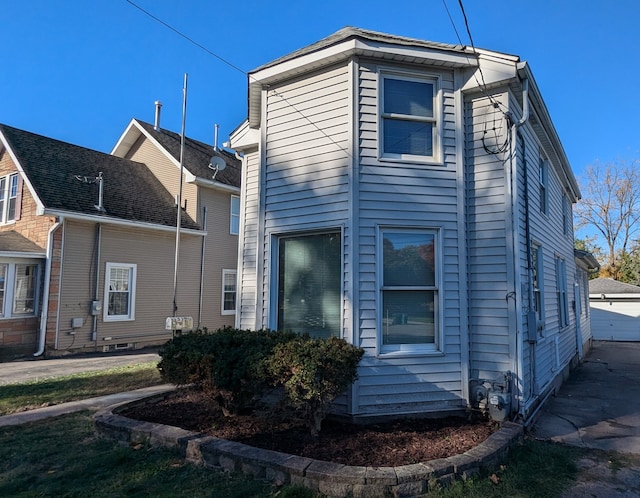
(18, 289)
(234, 227)
(543, 178)
(120, 292)
(409, 117)
(409, 291)
(566, 218)
(8, 197)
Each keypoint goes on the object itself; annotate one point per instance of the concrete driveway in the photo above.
(599, 405)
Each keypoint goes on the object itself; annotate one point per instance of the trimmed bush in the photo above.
(314, 372)
(227, 363)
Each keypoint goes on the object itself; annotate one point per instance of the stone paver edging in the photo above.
(331, 479)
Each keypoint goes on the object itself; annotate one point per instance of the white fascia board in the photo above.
(126, 140)
(244, 137)
(598, 297)
(25, 178)
(118, 222)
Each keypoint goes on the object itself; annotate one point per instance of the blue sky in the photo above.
(79, 70)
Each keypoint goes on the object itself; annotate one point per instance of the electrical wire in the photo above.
(230, 64)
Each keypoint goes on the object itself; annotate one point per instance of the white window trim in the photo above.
(132, 293)
(543, 182)
(437, 348)
(224, 274)
(562, 292)
(232, 215)
(436, 80)
(7, 306)
(540, 315)
(7, 198)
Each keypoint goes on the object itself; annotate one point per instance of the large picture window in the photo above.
(119, 294)
(309, 284)
(409, 124)
(409, 290)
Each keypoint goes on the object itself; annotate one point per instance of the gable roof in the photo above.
(609, 286)
(52, 170)
(197, 155)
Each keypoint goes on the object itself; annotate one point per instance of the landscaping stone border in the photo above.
(331, 479)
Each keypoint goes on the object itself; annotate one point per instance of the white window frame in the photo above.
(225, 274)
(133, 268)
(566, 215)
(436, 120)
(234, 215)
(538, 275)
(6, 195)
(543, 181)
(425, 348)
(563, 299)
(9, 291)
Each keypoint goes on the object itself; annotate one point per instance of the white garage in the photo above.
(615, 310)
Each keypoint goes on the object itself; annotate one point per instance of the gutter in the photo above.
(118, 222)
(44, 314)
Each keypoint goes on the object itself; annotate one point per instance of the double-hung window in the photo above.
(409, 294)
(228, 292)
(234, 224)
(538, 280)
(543, 179)
(309, 283)
(120, 292)
(18, 289)
(563, 300)
(8, 197)
(409, 117)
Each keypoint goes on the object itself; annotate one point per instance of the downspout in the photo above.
(202, 254)
(44, 314)
(519, 360)
(94, 329)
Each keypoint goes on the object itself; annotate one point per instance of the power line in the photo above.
(230, 64)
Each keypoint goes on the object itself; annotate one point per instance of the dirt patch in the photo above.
(387, 444)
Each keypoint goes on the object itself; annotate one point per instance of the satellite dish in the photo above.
(216, 163)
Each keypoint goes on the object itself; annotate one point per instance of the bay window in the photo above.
(409, 291)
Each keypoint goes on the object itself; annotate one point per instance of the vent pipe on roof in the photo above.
(215, 136)
(156, 123)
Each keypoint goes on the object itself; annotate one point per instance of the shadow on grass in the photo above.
(35, 394)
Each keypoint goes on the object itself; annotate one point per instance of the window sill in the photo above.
(227, 312)
(118, 319)
(417, 160)
(402, 353)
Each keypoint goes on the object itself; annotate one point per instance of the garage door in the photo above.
(615, 321)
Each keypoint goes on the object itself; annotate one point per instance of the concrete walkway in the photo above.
(599, 405)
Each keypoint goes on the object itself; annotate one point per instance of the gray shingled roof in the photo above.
(197, 155)
(131, 191)
(610, 286)
(12, 241)
(353, 32)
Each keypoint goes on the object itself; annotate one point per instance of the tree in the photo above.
(611, 205)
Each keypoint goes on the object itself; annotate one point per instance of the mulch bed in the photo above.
(388, 444)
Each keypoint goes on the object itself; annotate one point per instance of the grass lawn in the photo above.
(35, 394)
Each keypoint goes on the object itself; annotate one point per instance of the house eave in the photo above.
(119, 222)
(432, 55)
(203, 182)
(23, 255)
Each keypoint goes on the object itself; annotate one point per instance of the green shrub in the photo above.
(314, 372)
(226, 363)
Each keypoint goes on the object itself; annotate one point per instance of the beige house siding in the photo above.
(166, 171)
(153, 254)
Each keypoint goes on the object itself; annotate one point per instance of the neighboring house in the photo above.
(615, 310)
(413, 198)
(87, 250)
(211, 198)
